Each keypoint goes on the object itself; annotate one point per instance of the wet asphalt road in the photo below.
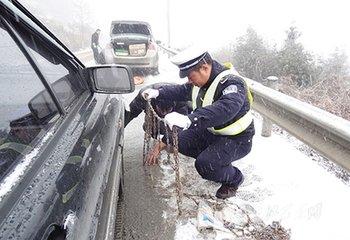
(143, 207)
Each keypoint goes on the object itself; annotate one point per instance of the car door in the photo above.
(60, 143)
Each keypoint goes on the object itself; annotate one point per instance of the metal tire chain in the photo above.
(146, 138)
(151, 120)
(167, 144)
(158, 137)
(177, 169)
(145, 145)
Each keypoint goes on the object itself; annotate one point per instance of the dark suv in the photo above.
(61, 135)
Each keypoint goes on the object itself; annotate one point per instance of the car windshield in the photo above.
(121, 28)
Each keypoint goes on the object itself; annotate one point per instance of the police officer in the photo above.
(220, 128)
(161, 106)
(95, 44)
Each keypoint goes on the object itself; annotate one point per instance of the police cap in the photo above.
(188, 59)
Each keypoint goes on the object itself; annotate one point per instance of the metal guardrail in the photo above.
(321, 130)
(167, 50)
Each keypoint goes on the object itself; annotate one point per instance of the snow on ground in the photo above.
(295, 190)
(281, 184)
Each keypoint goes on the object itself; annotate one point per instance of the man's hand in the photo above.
(152, 156)
(177, 119)
(150, 93)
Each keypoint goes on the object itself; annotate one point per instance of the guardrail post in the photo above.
(271, 82)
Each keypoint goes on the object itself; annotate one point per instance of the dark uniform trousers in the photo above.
(94, 46)
(214, 154)
(96, 54)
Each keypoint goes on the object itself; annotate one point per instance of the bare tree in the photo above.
(83, 22)
(253, 57)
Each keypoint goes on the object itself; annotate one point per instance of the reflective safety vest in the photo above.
(234, 128)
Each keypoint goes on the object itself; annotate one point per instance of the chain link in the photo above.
(168, 147)
(147, 135)
(176, 168)
(152, 125)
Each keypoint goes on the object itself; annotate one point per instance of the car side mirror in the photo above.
(111, 79)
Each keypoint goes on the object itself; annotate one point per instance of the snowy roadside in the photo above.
(283, 190)
(327, 164)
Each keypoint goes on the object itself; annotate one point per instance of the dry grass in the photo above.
(332, 95)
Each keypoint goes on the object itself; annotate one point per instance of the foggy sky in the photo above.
(323, 23)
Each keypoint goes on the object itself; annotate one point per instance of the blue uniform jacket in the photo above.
(230, 102)
(138, 104)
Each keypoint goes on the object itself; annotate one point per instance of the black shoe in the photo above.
(227, 191)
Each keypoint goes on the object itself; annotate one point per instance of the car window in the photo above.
(63, 78)
(120, 28)
(61, 74)
(27, 111)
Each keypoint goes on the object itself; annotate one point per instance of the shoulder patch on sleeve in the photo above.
(230, 89)
(224, 79)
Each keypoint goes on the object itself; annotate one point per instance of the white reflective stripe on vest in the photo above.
(195, 91)
(234, 128)
(209, 95)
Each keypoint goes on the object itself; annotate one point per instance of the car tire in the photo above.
(119, 219)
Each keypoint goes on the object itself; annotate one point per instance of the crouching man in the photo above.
(220, 129)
